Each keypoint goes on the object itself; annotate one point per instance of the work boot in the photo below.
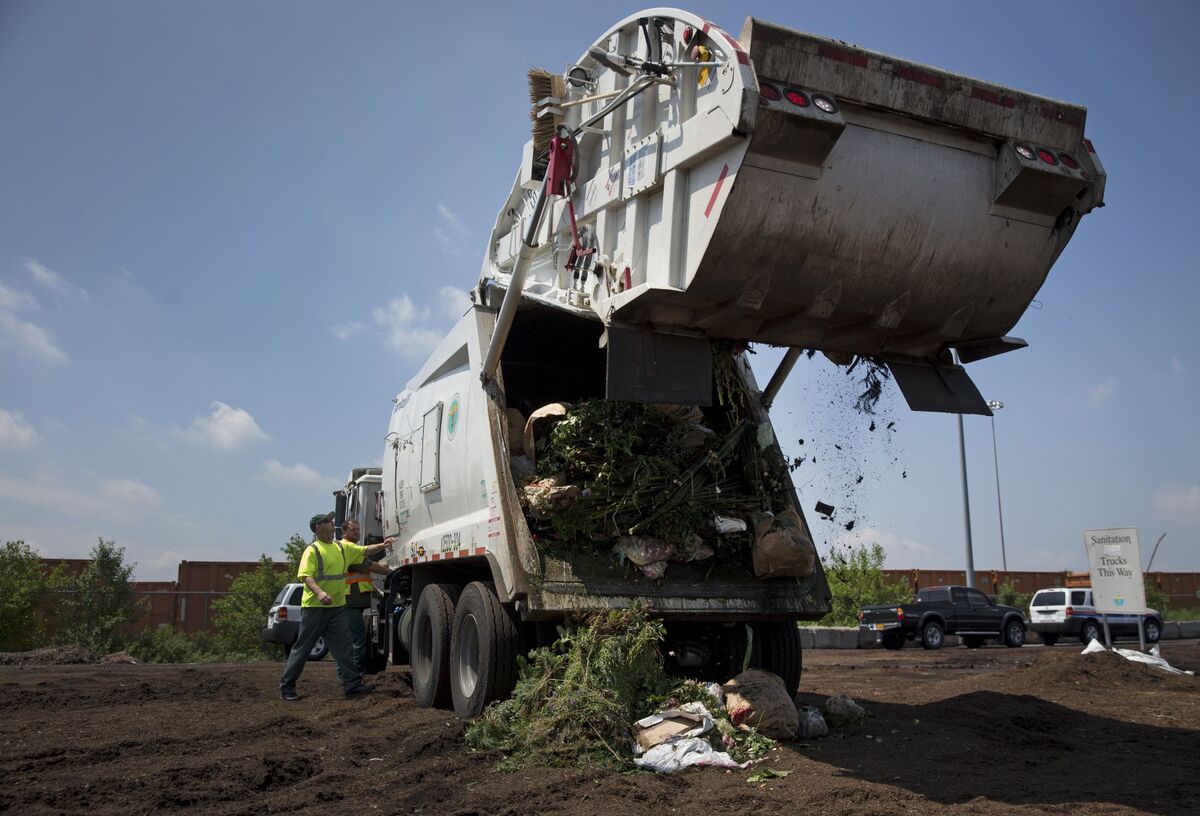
(361, 690)
(289, 695)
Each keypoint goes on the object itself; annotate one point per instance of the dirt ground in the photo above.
(1031, 730)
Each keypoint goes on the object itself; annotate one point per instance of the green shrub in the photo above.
(99, 601)
(23, 585)
(239, 616)
(856, 579)
(1009, 596)
(164, 645)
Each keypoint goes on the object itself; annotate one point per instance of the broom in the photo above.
(546, 92)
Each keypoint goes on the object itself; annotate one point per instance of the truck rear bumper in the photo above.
(282, 632)
(879, 627)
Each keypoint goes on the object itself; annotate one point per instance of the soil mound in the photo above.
(50, 656)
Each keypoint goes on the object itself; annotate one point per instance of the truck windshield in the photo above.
(933, 596)
(1049, 599)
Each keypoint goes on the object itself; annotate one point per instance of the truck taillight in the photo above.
(1068, 161)
(1046, 156)
(899, 613)
(1024, 151)
(862, 615)
(1070, 611)
(825, 104)
(768, 91)
(281, 613)
(797, 98)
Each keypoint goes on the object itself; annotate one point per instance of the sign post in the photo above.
(1115, 562)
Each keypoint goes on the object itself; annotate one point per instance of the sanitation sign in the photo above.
(1115, 558)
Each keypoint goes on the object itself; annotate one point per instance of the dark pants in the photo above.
(330, 622)
(358, 635)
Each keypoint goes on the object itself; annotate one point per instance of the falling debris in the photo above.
(824, 510)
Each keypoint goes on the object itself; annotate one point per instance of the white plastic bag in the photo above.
(675, 756)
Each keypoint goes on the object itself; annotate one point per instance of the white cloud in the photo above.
(226, 428)
(1101, 393)
(32, 340)
(113, 498)
(1179, 501)
(15, 432)
(450, 218)
(347, 330)
(13, 299)
(407, 330)
(1176, 366)
(453, 302)
(49, 279)
(450, 245)
(299, 475)
(129, 491)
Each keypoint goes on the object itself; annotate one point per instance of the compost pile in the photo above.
(653, 483)
(575, 702)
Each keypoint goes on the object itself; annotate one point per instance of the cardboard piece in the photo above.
(665, 725)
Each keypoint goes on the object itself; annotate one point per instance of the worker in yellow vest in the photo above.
(359, 594)
(323, 607)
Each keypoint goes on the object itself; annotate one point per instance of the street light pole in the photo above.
(962, 455)
(996, 405)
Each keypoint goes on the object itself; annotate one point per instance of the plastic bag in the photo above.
(812, 724)
(781, 547)
(675, 756)
(758, 699)
(840, 711)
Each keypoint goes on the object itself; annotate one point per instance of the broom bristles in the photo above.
(543, 87)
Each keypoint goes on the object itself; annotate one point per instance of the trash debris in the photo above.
(1153, 659)
(782, 548)
(824, 510)
(759, 699)
(767, 774)
(841, 711)
(812, 724)
(548, 496)
(689, 720)
(539, 425)
(724, 524)
(675, 756)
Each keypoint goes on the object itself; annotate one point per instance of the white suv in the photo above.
(1068, 611)
(283, 621)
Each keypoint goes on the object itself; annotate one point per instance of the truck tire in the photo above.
(932, 635)
(430, 657)
(1014, 634)
(319, 650)
(1153, 630)
(776, 648)
(483, 651)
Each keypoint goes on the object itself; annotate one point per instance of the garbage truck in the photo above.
(687, 193)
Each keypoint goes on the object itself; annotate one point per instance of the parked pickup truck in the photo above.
(945, 610)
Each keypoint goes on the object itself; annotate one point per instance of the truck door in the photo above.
(984, 615)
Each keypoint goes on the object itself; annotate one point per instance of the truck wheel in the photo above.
(893, 640)
(972, 641)
(1090, 631)
(1049, 640)
(931, 635)
(483, 651)
(1153, 630)
(319, 650)
(430, 657)
(1014, 634)
(777, 649)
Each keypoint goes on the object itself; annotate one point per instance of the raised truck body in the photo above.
(776, 187)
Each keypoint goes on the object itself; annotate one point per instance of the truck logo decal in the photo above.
(452, 418)
(451, 541)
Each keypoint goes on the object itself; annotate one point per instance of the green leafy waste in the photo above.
(575, 702)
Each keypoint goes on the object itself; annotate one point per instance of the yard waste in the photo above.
(577, 703)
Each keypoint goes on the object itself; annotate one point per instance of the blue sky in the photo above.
(230, 231)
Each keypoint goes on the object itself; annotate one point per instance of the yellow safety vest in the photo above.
(356, 582)
(326, 562)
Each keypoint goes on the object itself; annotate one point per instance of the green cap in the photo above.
(317, 519)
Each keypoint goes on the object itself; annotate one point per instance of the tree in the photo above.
(239, 616)
(100, 600)
(293, 549)
(23, 586)
(856, 579)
